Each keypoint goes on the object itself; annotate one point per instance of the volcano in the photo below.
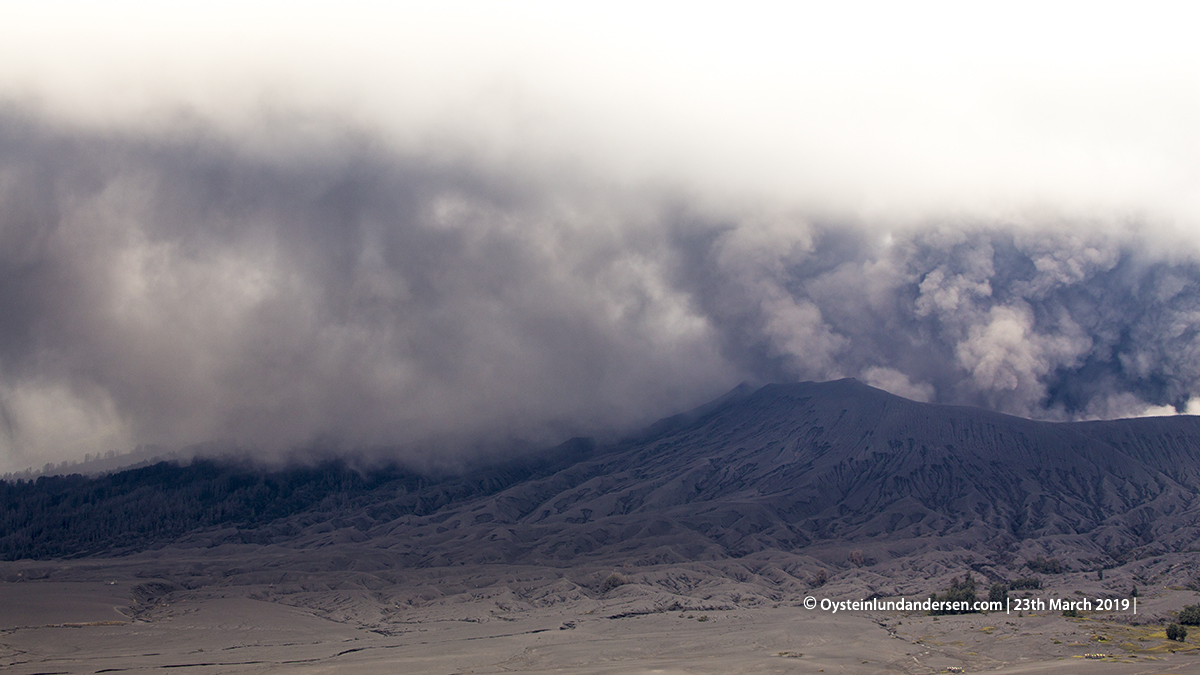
(787, 467)
(794, 466)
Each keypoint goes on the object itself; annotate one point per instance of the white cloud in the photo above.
(896, 382)
(855, 108)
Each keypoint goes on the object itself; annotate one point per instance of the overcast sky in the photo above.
(437, 227)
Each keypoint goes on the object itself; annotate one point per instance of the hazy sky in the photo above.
(441, 225)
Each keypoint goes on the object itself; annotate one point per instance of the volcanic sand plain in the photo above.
(146, 615)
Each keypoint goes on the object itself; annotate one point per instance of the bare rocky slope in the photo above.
(836, 464)
(819, 468)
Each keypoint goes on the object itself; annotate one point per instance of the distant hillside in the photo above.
(786, 467)
(147, 507)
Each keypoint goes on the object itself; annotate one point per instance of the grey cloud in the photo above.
(178, 290)
(1048, 325)
(188, 287)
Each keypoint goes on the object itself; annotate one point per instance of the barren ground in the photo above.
(114, 616)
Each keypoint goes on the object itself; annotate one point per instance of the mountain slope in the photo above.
(813, 466)
(807, 464)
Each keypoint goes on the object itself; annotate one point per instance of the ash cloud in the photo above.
(187, 287)
(1040, 323)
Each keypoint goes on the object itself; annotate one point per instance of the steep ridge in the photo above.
(811, 464)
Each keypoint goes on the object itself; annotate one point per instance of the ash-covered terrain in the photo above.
(809, 467)
(703, 535)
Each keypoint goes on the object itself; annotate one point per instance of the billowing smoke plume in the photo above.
(1062, 322)
(183, 288)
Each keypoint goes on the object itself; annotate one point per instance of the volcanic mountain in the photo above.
(807, 467)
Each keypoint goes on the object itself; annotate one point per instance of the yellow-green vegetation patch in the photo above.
(1140, 639)
(988, 629)
(1167, 646)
